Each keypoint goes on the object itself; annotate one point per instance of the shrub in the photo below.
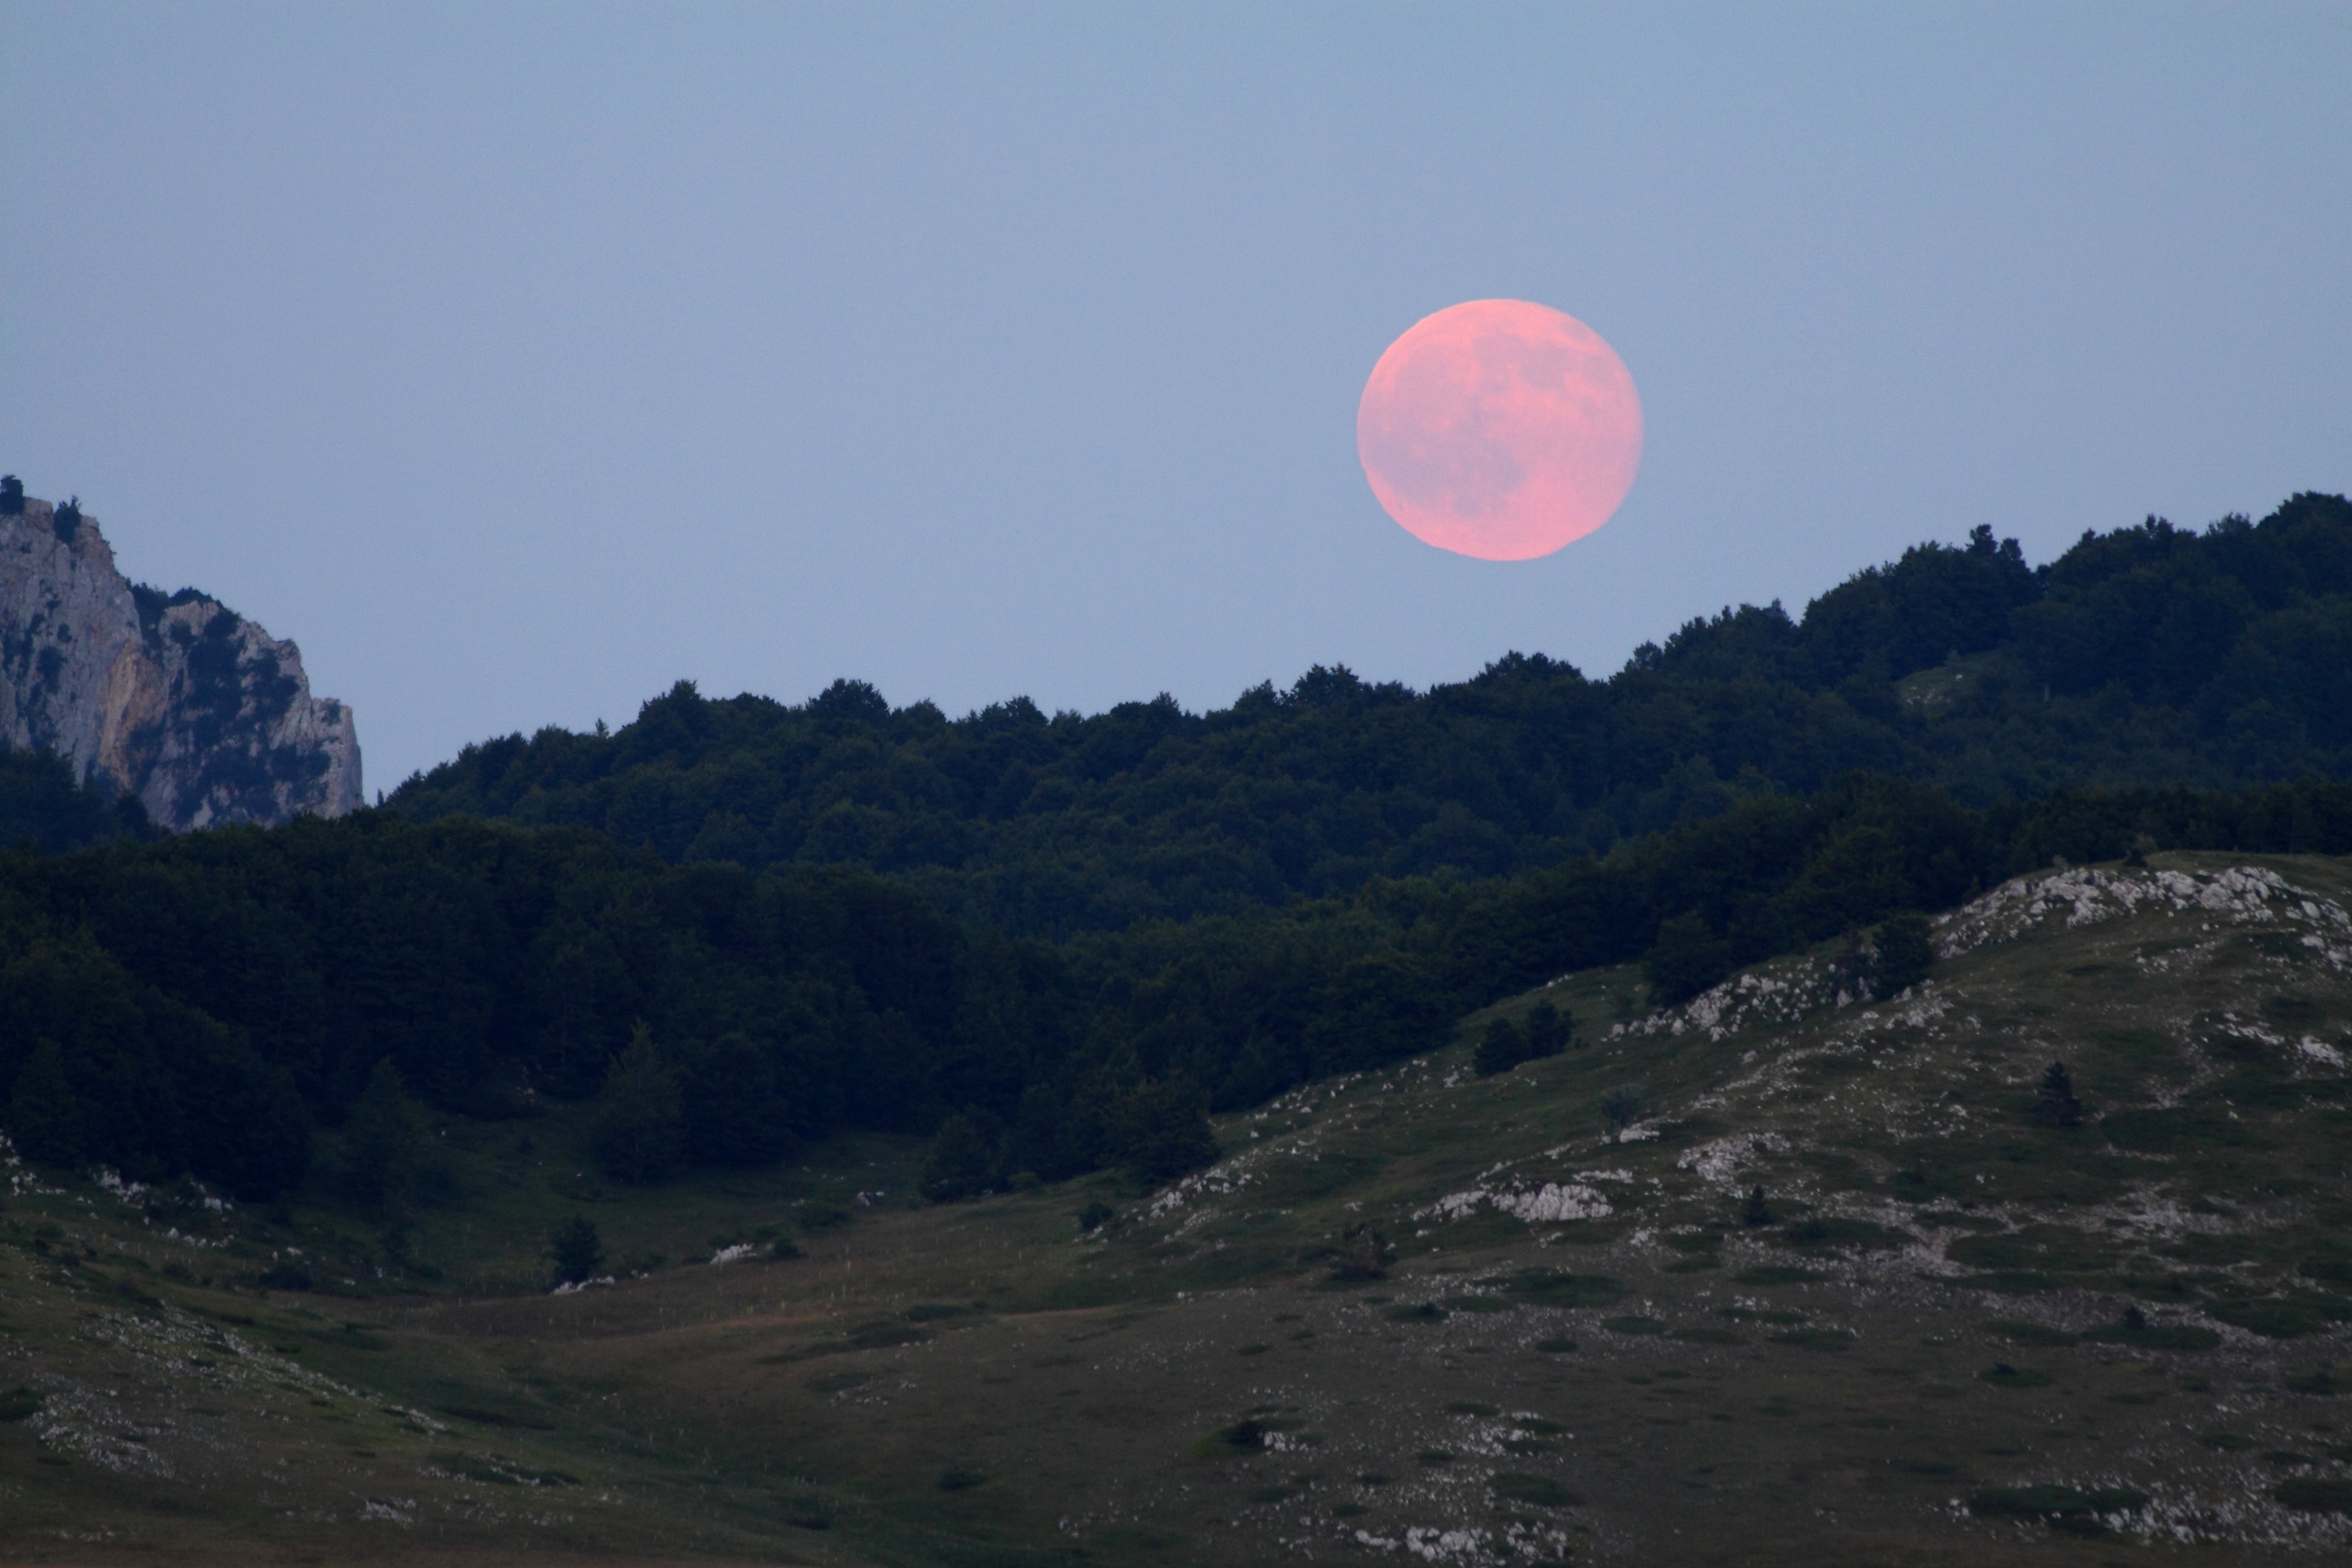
(1364, 1255)
(2133, 1329)
(2312, 1494)
(1756, 1212)
(2323, 1383)
(2055, 1505)
(1834, 1231)
(1246, 1436)
(1541, 1491)
(1621, 1108)
(12, 496)
(2023, 1334)
(1557, 1288)
(1707, 1336)
(932, 1311)
(2279, 1317)
(1095, 1216)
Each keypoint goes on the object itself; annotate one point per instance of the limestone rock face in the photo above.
(203, 715)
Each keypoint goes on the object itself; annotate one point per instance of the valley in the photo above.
(1411, 1314)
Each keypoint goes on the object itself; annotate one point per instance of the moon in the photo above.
(1500, 430)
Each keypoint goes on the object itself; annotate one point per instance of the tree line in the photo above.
(2150, 656)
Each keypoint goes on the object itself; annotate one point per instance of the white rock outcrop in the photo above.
(202, 714)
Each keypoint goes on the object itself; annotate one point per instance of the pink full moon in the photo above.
(1500, 430)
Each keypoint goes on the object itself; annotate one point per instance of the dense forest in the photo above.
(2150, 656)
(200, 1003)
(736, 925)
(43, 807)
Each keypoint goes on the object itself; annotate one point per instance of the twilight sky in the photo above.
(517, 360)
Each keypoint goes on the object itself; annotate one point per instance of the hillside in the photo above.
(2151, 655)
(173, 700)
(1981, 1317)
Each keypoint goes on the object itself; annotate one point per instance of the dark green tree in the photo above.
(1550, 1030)
(1160, 1130)
(45, 1119)
(575, 1249)
(12, 496)
(640, 1130)
(733, 1103)
(383, 1144)
(1376, 1010)
(1503, 1046)
(959, 1163)
(1904, 950)
(2057, 1105)
(1755, 1212)
(1686, 959)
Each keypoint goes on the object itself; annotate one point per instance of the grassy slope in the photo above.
(1734, 1392)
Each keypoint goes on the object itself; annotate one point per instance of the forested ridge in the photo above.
(1064, 939)
(2150, 656)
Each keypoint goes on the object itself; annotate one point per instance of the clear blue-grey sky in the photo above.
(518, 360)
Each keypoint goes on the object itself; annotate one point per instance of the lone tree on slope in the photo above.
(575, 1249)
(2058, 1107)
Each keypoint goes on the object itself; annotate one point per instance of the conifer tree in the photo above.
(1756, 1212)
(2058, 1107)
(640, 1130)
(44, 1117)
(382, 1143)
(575, 1249)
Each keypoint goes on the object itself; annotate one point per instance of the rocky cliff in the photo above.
(175, 699)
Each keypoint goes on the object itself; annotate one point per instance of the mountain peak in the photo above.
(176, 700)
